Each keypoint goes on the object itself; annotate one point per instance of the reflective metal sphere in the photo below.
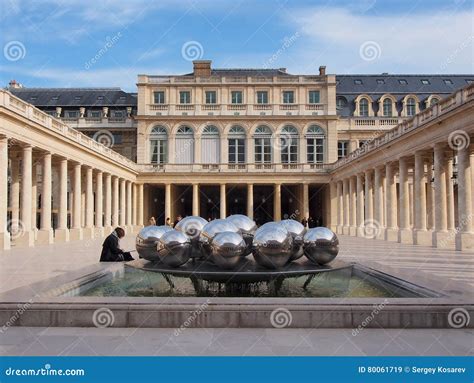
(272, 246)
(247, 228)
(227, 249)
(192, 226)
(174, 248)
(320, 245)
(297, 231)
(270, 225)
(147, 239)
(211, 229)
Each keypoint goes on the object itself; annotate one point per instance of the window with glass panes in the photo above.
(263, 145)
(288, 97)
(262, 97)
(211, 97)
(159, 97)
(313, 96)
(411, 107)
(387, 107)
(364, 107)
(289, 145)
(342, 149)
(433, 101)
(185, 97)
(315, 144)
(236, 96)
(158, 145)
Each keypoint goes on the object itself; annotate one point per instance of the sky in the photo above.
(107, 43)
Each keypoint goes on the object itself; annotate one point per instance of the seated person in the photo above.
(111, 251)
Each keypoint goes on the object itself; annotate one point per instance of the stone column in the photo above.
(223, 202)
(168, 202)
(122, 209)
(250, 200)
(391, 232)
(34, 198)
(76, 231)
(305, 212)
(465, 235)
(135, 206)
(430, 196)
(421, 235)
(89, 229)
(450, 192)
(108, 203)
(340, 208)
(27, 237)
(45, 235)
(277, 202)
(129, 206)
(405, 233)
(352, 206)
(196, 199)
(4, 234)
(140, 205)
(360, 206)
(379, 232)
(441, 237)
(15, 197)
(61, 234)
(345, 204)
(369, 204)
(115, 202)
(99, 203)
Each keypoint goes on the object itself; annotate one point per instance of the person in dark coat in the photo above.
(311, 222)
(111, 251)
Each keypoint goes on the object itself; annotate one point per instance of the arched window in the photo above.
(289, 145)
(315, 144)
(263, 145)
(434, 101)
(364, 107)
(387, 107)
(210, 145)
(411, 106)
(184, 145)
(236, 142)
(159, 145)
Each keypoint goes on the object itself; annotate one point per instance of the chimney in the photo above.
(202, 68)
(322, 70)
(14, 85)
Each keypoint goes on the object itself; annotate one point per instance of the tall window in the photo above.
(315, 143)
(387, 107)
(262, 97)
(159, 145)
(263, 144)
(313, 97)
(411, 106)
(236, 97)
(159, 97)
(288, 97)
(210, 145)
(289, 145)
(184, 145)
(236, 142)
(185, 97)
(342, 149)
(211, 97)
(364, 107)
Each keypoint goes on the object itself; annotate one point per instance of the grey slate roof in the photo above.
(247, 72)
(87, 97)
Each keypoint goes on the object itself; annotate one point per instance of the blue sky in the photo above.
(77, 43)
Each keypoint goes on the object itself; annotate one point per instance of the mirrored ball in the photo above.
(174, 248)
(272, 245)
(297, 231)
(227, 249)
(147, 239)
(320, 245)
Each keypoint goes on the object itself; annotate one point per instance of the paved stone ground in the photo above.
(21, 267)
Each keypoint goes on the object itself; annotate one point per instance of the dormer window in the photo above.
(55, 98)
(77, 98)
(448, 81)
(425, 82)
(380, 81)
(364, 107)
(358, 82)
(100, 98)
(402, 82)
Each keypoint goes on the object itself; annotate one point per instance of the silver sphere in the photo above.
(320, 245)
(211, 229)
(147, 239)
(297, 231)
(227, 249)
(247, 228)
(174, 248)
(192, 226)
(272, 246)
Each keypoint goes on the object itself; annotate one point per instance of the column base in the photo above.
(352, 231)
(465, 241)
(444, 239)
(345, 230)
(391, 235)
(361, 231)
(45, 237)
(61, 235)
(76, 234)
(423, 237)
(88, 233)
(5, 241)
(405, 236)
(99, 232)
(27, 239)
(338, 229)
